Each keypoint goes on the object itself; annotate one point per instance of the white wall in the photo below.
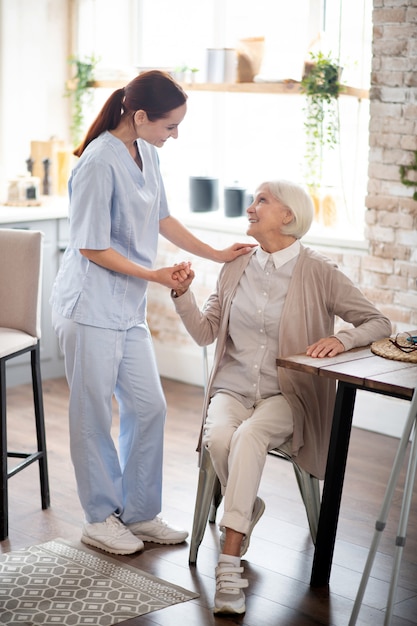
(33, 68)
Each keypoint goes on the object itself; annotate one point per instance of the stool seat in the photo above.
(12, 341)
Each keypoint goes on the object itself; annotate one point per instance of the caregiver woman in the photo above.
(118, 208)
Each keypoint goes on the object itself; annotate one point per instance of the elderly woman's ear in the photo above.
(289, 217)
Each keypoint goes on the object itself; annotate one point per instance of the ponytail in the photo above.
(108, 118)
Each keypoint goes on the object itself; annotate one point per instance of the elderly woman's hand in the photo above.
(184, 278)
(328, 346)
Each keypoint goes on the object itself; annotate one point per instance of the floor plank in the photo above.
(279, 560)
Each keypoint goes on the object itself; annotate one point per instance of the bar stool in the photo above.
(20, 312)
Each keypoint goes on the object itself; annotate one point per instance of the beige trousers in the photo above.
(238, 440)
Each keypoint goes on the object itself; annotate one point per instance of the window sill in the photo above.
(318, 235)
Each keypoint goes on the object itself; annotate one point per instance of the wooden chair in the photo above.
(209, 496)
(20, 312)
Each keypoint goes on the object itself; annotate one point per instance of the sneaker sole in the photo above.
(97, 544)
(163, 542)
(228, 610)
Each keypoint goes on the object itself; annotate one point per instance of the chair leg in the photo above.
(215, 503)
(309, 487)
(205, 491)
(40, 425)
(310, 492)
(4, 507)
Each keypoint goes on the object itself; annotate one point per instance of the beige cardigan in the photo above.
(318, 292)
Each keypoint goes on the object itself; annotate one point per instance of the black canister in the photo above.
(204, 193)
(249, 198)
(234, 201)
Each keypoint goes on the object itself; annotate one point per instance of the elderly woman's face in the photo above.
(266, 214)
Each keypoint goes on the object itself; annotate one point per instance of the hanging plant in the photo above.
(321, 86)
(404, 173)
(81, 93)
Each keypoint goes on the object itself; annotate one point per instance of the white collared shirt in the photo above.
(280, 257)
(248, 367)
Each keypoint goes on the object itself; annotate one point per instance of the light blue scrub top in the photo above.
(112, 204)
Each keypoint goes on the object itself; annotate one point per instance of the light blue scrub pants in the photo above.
(99, 363)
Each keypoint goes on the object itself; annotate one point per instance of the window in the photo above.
(239, 137)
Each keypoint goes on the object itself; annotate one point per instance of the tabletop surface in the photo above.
(361, 368)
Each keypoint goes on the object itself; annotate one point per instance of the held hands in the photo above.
(328, 346)
(182, 271)
(173, 276)
(184, 282)
(179, 277)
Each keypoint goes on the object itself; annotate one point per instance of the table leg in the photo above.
(333, 484)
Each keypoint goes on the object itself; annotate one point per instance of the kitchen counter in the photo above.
(51, 207)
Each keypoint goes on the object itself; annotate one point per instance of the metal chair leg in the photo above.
(4, 526)
(206, 485)
(40, 455)
(310, 492)
(309, 487)
(215, 503)
(40, 426)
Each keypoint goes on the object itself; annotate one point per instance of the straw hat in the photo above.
(388, 349)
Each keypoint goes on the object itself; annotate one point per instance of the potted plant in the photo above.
(321, 86)
(79, 89)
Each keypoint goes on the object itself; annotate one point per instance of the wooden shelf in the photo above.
(285, 87)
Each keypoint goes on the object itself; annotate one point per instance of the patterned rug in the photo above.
(57, 583)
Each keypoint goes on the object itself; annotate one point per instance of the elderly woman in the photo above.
(280, 299)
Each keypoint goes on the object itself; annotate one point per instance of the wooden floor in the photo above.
(278, 563)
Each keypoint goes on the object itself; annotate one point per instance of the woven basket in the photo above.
(385, 348)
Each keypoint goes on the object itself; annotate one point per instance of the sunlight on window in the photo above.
(244, 138)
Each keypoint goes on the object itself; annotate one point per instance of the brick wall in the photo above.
(387, 271)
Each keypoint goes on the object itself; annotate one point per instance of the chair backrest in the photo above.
(21, 280)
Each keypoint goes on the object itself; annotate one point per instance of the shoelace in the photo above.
(228, 578)
(115, 524)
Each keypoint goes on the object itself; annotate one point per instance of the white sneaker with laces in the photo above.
(157, 531)
(258, 510)
(111, 536)
(229, 597)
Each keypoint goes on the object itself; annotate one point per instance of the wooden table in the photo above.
(356, 369)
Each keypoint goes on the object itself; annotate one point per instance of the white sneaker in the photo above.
(111, 536)
(258, 510)
(157, 531)
(229, 597)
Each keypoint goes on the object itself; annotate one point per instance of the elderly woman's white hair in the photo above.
(298, 200)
